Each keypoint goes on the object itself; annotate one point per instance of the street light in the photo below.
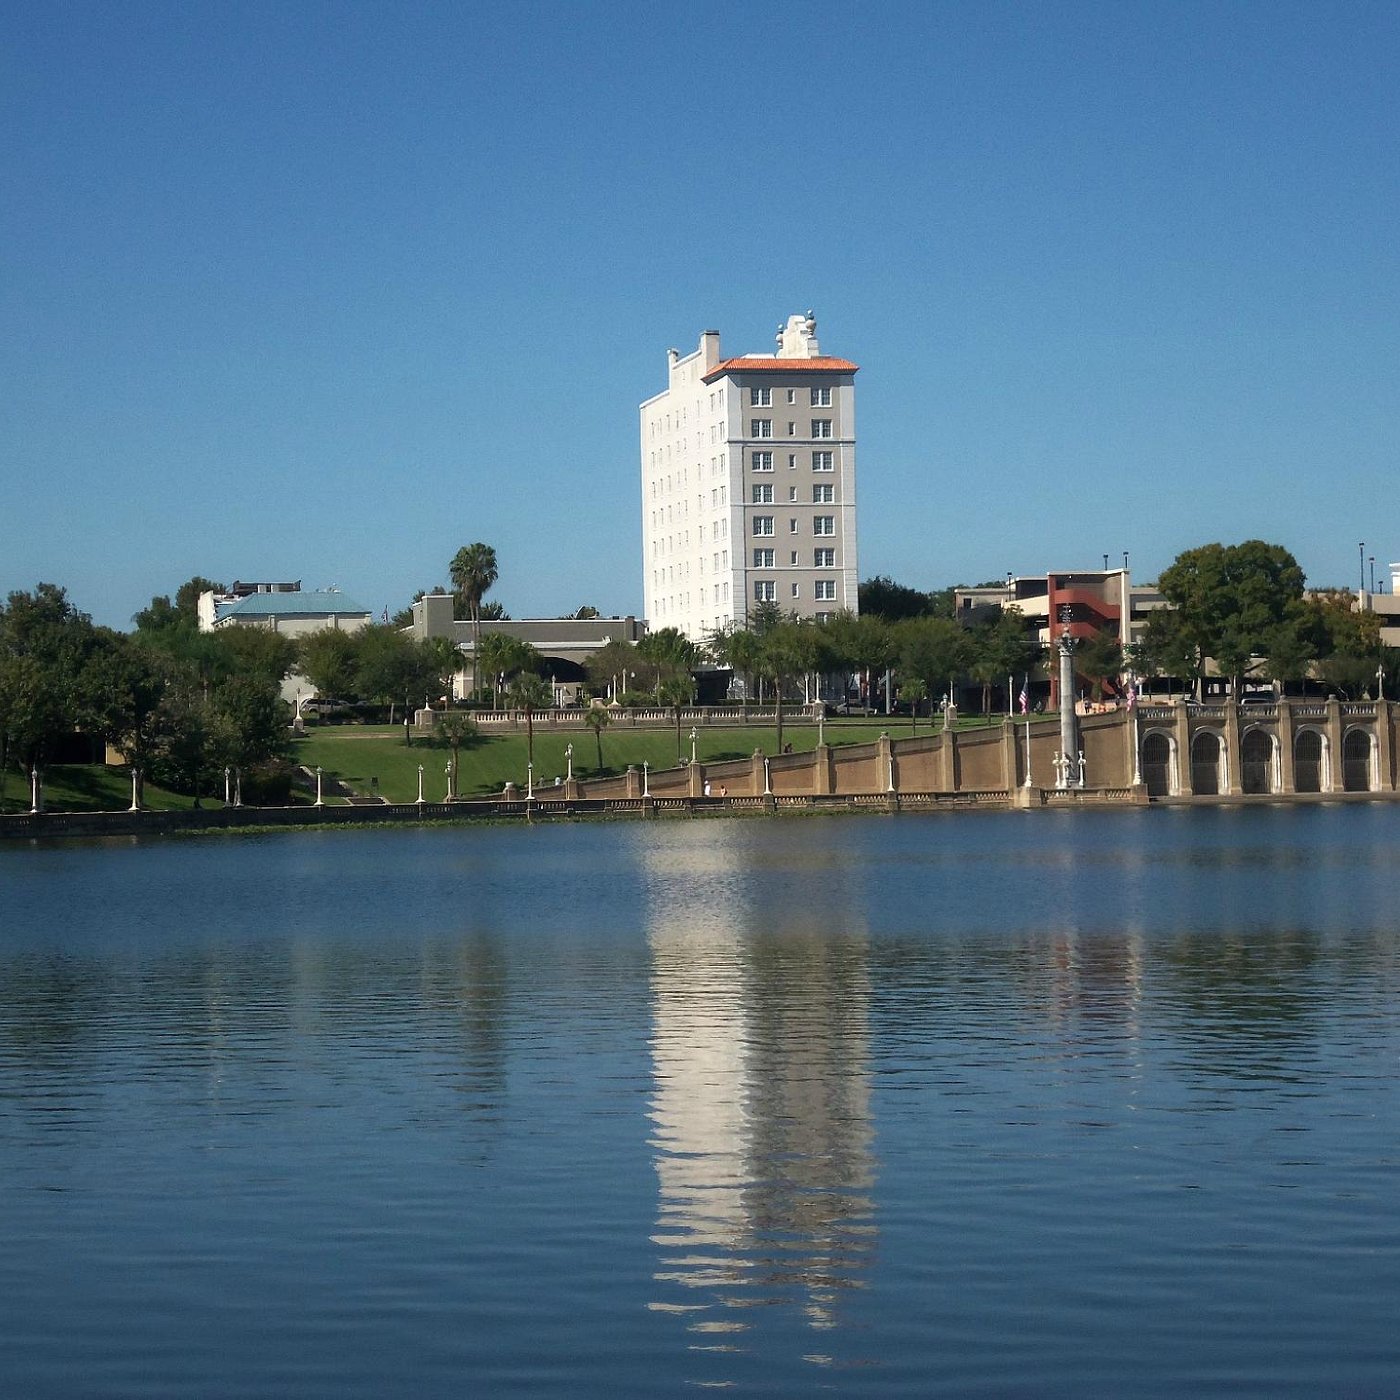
(135, 788)
(447, 796)
(694, 734)
(529, 782)
(420, 784)
(319, 803)
(228, 788)
(646, 778)
(569, 758)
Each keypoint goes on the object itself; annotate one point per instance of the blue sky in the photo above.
(326, 291)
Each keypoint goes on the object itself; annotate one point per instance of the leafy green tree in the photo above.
(1346, 641)
(608, 663)
(328, 659)
(598, 719)
(473, 571)
(255, 722)
(255, 652)
(936, 651)
(123, 688)
(188, 593)
(45, 644)
(1231, 600)
(894, 602)
(1099, 658)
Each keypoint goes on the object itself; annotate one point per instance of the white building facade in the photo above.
(749, 484)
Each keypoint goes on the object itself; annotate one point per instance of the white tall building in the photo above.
(749, 484)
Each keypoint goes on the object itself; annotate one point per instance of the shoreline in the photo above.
(45, 826)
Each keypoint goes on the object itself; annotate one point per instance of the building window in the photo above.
(792, 493)
(792, 527)
(763, 524)
(821, 427)
(792, 461)
(822, 617)
(823, 493)
(765, 591)
(824, 590)
(762, 461)
(792, 429)
(797, 590)
(763, 559)
(822, 462)
(821, 397)
(760, 398)
(823, 525)
(792, 395)
(823, 558)
(762, 428)
(763, 493)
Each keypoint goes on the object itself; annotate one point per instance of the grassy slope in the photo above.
(356, 754)
(88, 788)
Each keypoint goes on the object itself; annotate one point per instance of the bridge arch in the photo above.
(1209, 770)
(1359, 760)
(1160, 770)
(1312, 761)
(1259, 765)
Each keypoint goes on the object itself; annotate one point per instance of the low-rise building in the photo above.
(281, 607)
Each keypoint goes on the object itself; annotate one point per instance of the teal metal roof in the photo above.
(316, 603)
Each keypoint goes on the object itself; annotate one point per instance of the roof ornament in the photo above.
(797, 340)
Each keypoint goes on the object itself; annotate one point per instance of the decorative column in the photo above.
(36, 791)
(135, 790)
(1385, 749)
(1336, 773)
(319, 803)
(1069, 737)
(1234, 758)
(1283, 734)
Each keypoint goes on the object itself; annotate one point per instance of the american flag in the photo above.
(1025, 700)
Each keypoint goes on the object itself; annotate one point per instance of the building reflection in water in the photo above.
(760, 1110)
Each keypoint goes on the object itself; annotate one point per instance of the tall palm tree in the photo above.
(529, 693)
(473, 570)
(598, 719)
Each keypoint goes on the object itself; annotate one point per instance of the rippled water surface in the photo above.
(973, 1104)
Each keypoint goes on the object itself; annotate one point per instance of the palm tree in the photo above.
(598, 719)
(473, 571)
(677, 692)
(455, 727)
(529, 693)
(504, 655)
(788, 649)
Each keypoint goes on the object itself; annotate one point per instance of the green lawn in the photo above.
(87, 788)
(357, 754)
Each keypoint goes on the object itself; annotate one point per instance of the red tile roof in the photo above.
(770, 364)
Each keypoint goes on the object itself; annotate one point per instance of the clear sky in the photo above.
(294, 290)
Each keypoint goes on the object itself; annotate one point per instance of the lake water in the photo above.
(968, 1104)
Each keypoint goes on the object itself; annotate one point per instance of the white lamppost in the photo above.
(646, 778)
(529, 781)
(319, 802)
(228, 786)
(237, 787)
(767, 777)
(821, 727)
(36, 793)
(1028, 782)
(694, 734)
(420, 785)
(135, 788)
(569, 758)
(447, 795)
(891, 764)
